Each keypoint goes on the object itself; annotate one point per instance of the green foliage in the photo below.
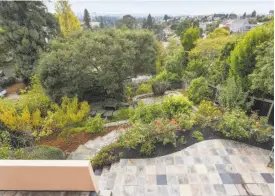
(147, 113)
(207, 113)
(44, 153)
(261, 131)
(181, 140)
(262, 77)
(186, 24)
(144, 89)
(207, 50)
(198, 136)
(28, 25)
(147, 148)
(166, 76)
(106, 155)
(198, 90)
(91, 125)
(123, 114)
(107, 58)
(218, 32)
(175, 105)
(185, 121)
(159, 87)
(189, 38)
(231, 95)
(34, 98)
(243, 57)
(234, 124)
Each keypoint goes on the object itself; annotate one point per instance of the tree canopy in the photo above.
(69, 23)
(243, 57)
(262, 77)
(189, 38)
(106, 59)
(27, 26)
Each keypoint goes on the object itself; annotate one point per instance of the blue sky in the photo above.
(172, 7)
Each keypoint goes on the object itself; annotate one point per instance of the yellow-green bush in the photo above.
(143, 89)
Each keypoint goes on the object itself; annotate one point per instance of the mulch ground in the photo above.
(71, 144)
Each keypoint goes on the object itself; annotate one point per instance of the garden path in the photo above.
(212, 167)
(89, 149)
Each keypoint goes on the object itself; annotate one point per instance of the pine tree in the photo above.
(69, 23)
(165, 17)
(149, 22)
(253, 13)
(87, 19)
(244, 15)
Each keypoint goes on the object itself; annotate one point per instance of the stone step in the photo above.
(105, 193)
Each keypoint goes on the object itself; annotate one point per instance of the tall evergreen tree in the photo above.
(87, 19)
(27, 26)
(165, 17)
(253, 13)
(244, 15)
(69, 23)
(149, 22)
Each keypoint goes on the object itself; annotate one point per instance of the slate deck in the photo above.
(212, 167)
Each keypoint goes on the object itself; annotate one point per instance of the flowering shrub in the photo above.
(261, 131)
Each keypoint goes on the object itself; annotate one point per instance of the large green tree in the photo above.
(127, 21)
(106, 59)
(27, 28)
(262, 78)
(87, 19)
(149, 22)
(189, 38)
(186, 24)
(243, 57)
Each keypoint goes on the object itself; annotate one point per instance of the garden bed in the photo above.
(71, 144)
(162, 150)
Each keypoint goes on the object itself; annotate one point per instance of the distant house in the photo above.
(241, 25)
(226, 24)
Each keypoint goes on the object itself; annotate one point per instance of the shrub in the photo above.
(135, 136)
(106, 155)
(207, 113)
(198, 135)
(181, 140)
(163, 130)
(45, 153)
(159, 87)
(234, 124)
(148, 148)
(147, 113)
(261, 131)
(143, 89)
(176, 104)
(91, 125)
(123, 114)
(167, 76)
(198, 90)
(185, 121)
(231, 95)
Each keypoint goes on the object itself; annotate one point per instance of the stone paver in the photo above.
(89, 149)
(213, 167)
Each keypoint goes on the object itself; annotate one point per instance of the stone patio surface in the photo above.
(213, 167)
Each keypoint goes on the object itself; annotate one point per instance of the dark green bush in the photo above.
(43, 153)
(159, 87)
